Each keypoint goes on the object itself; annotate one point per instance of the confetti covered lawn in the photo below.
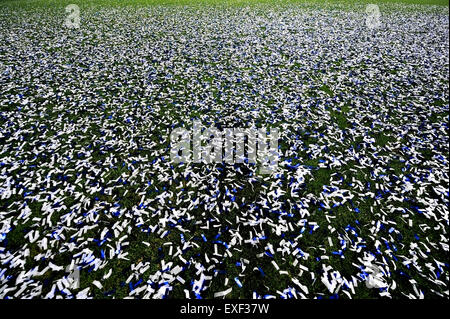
(91, 205)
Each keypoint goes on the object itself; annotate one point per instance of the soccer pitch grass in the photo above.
(323, 4)
(357, 207)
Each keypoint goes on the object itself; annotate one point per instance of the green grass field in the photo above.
(358, 206)
(52, 3)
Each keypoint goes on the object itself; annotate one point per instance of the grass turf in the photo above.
(313, 239)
